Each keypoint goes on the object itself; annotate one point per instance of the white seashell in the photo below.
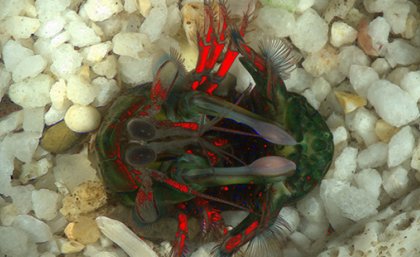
(124, 237)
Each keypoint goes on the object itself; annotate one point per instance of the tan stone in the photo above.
(86, 198)
(349, 102)
(68, 247)
(384, 131)
(84, 230)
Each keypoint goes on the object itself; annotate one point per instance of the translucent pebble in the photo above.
(389, 100)
(378, 30)
(355, 203)
(369, 180)
(268, 19)
(415, 160)
(65, 61)
(29, 67)
(53, 116)
(37, 230)
(374, 156)
(395, 181)
(13, 53)
(21, 198)
(135, 71)
(80, 90)
(299, 80)
(129, 44)
(81, 35)
(33, 92)
(173, 22)
(99, 10)
(8, 214)
(321, 62)
(153, 25)
(10, 122)
(20, 26)
(34, 170)
(311, 208)
(396, 15)
(401, 146)
(58, 95)
(11, 8)
(45, 203)
(361, 77)
(340, 135)
(376, 6)
(410, 83)
(402, 52)
(81, 119)
(311, 32)
(96, 53)
(51, 27)
(342, 33)
(33, 120)
(381, 66)
(13, 241)
(363, 124)
(5, 79)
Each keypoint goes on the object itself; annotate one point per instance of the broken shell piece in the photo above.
(384, 131)
(349, 102)
(84, 230)
(124, 237)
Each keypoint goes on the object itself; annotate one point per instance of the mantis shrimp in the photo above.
(186, 145)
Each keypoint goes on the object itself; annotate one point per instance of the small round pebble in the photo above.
(81, 119)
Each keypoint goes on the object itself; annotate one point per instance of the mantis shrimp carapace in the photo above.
(180, 146)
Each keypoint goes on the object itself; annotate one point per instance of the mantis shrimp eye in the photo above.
(140, 129)
(137, 155)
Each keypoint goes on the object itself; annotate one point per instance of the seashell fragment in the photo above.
(124, 237)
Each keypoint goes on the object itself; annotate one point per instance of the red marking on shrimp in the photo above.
(227, 62)
(186, 125)
(251, 228)
(233, 242)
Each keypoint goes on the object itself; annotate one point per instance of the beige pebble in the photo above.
(349, 102)
(68, 247)
(84, 230)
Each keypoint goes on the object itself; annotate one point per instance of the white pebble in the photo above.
(33, 92)
(80, 91)
(65, 61)
(299, 80)
(415, 160)
(20, 26)
(29, 67)
(81, 119)
(392, 104)
(13, 53)
(370, 180)
(81, 35)
(410, 83)
(21, 197)
(60, 39)
(10, 122)
(291, 216)
(124, 237)
(268, 19)
(395, 181)
(400, 147)
(340, 135)
(374, 156)
(300, 240)
(153, 25)
(53, 116)
(48, 9)
(321, 88)
(350, 55)
(107, 88)
(135, 71)
(33, 120)
(311, 208)
(73, 169)
(321, 62)
(13, 242)
(361, 77)
(402, 52)
(381, 66)
(173, 22)
(376, 6)
(45, 203)
(129, 44)
(396, 15)
(311, 32)
(233, 218)
(37, 230)
(345, 164)
(378, 30)
(96, 53)
(34, 170)
(99, 10)
(363, 123)
(342, 34)
(51, 27)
